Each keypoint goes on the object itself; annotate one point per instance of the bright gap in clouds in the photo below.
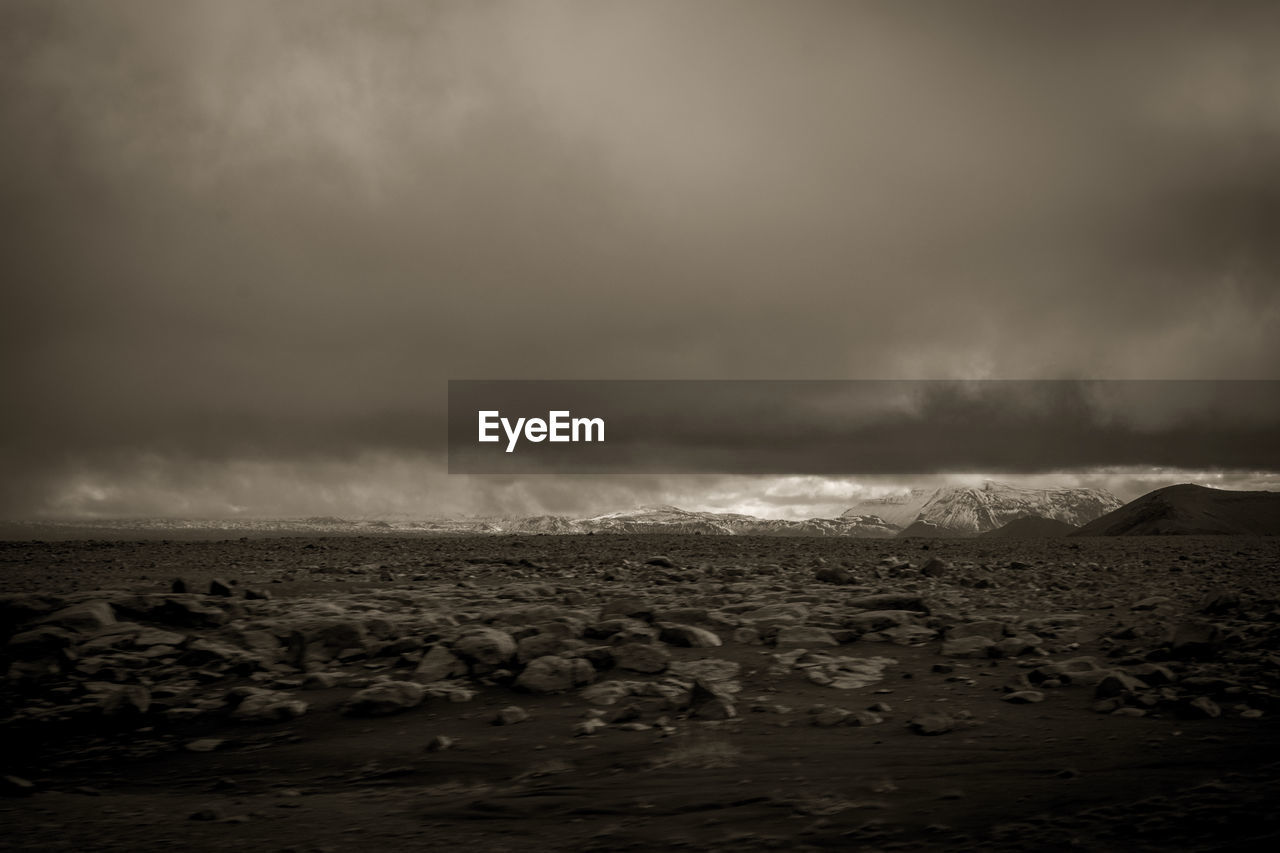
(386, 485)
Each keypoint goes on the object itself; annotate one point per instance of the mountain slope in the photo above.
(970, 511)
(1188, 509)
(1031, 527)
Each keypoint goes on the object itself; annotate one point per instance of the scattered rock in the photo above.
(256, 705)
(440, 743)
(804, 635)
(16, 786)
(968, 647)
(553, 674)
(389, 697)
(438, 664)
(931, 724)
(488, 647)
(688, 636)
(510, 715)
(641, 657)
(1023, 697)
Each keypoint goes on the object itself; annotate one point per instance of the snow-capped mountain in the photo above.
(670, 519)
(968, 511)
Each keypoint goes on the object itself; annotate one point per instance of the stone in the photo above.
(553, 674)
(889, 601)
(220, 588)
(125, 702)
(438, 664)
(488, 647)
(1192, 640)
(388, 697)
(268, 706)
(630, 606)
(1012, 647)
(880, 620)
(968, 647)
(804, 635)
(1202, 706)
(1080, 670)
(320, 680)
(661, 561)
(687, 636)
(931, 724)
(1023, 697)
(988, 628)
(935, 568)
(1118, 683)
(16, 786)
(1220, 601)
(900, 635)
(440, 743)
(39, 641)
(204, 744)
(184, 611)
(710, 670)
(157, 637)
(87, 617)
(510, 715)
(641, 657)
(587, 728)
(835, 575)
(536, 646)
(827, 717)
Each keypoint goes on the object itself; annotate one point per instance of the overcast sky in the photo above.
(247, 244)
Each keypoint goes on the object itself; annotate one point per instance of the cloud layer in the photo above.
(267, 234)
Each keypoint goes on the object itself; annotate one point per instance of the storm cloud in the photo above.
(246, 245)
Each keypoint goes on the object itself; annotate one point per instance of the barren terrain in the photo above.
(640, 693)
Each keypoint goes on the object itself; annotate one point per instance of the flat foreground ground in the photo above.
(661, 693)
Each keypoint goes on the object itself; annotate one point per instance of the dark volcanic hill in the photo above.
(1189, 509)
(1031, 527)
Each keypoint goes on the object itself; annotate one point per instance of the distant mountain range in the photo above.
(945, 512)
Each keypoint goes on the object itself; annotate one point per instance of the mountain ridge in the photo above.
(968, 510)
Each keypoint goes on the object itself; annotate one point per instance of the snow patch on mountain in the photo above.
(969, 510)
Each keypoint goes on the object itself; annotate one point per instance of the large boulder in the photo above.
(641, 657)
(688, 636)
(438, 664)
(968, 647)
(485, 648)
(87, 617)
(552, 674)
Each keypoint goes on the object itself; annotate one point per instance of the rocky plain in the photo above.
(633, 692)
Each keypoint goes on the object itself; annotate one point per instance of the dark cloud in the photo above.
(247, 234)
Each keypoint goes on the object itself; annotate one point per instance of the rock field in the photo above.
(640, 693)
